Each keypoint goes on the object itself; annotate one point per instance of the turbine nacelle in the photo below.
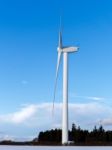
(69, 49)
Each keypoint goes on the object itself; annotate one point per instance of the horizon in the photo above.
(28, 56)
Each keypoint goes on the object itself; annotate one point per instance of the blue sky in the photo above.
(28, 55)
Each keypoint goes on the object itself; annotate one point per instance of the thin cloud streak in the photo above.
(93, 98)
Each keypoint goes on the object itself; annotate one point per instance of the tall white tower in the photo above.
(65, 99)
(65, 51)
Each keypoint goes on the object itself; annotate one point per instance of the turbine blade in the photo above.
(60, 39)
(57, 69)
(60, 34)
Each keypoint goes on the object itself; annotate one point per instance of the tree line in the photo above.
(78, 136)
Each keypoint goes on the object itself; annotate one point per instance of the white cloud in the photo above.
(39, 116)
(20, 116)
(7, 137)
(86, 108)
(23, 114)
(106, 122)
(16, 138)
(34, 118)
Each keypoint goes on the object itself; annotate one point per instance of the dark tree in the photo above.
(97, 136)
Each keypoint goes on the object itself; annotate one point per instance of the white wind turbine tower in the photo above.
(65, 51)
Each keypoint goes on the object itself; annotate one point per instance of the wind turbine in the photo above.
(65, 51)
